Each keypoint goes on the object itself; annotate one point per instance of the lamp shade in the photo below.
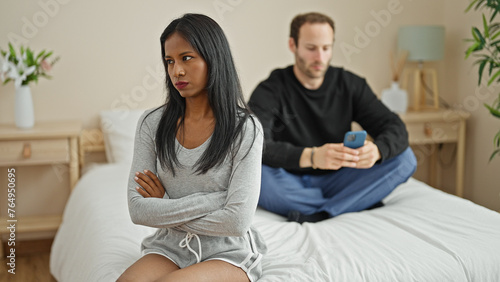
(423, 42)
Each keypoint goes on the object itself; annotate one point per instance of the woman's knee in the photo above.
(129, 277)
(148, 268)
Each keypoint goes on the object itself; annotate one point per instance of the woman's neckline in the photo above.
(195, 148)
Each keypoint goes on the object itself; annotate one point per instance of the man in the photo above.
(305, 109)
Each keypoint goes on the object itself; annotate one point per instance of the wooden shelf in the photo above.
(42, 130)
(47, 143)
(434, 127)
(27, 224)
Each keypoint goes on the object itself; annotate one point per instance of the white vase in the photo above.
(25, 116)
(395, 98)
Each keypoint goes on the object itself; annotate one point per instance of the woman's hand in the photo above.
(151, 185)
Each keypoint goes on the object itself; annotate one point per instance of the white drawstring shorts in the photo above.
(185, 249)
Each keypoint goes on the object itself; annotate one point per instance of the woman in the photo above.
(196, 168)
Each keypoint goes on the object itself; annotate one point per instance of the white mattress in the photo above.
(422, 234)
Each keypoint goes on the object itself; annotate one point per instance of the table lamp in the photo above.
(424, 43)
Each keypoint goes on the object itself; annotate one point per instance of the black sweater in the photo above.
(295, 117)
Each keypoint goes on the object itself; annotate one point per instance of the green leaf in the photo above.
(477, 34)
(493, 77)
(476, 38)
(474, 47)
(43, 52)
(485, 26)
(55, 60)
(470, 5)
(495, 43)
(30, 61)
(493, 111)
(494, 15)
(12, 51)
(481, 2)
(494, 153)
(480, 61)
(494, 28)
(481, 69)
(47, 55)
(496, 140)
(492, 66)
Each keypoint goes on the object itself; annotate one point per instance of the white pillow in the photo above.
(118, 127)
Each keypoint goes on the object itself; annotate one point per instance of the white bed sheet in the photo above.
(422, 234)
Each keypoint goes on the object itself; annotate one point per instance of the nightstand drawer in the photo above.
(432, 132)
(34, 152)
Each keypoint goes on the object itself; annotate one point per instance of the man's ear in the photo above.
(291, 45)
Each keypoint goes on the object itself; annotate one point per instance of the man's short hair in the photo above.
(311, 18)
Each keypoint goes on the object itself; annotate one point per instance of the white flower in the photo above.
(17, 73)
(4, 66)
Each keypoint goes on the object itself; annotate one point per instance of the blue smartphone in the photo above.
(354, 139)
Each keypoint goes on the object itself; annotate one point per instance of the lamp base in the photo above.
(424, 80)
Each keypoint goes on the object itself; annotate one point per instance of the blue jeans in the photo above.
(342, 191)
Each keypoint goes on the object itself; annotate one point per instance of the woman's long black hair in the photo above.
(225, 95)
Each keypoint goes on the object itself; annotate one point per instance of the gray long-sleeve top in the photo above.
(221, 202)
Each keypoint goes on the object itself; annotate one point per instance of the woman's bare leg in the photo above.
(212, 270)
(148, 268)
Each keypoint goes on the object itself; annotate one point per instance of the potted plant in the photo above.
(22, 68)
(485, 46)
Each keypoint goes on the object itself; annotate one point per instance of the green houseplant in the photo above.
(485, 46)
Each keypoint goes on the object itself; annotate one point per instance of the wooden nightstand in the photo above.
(434, 128)
(45, 144)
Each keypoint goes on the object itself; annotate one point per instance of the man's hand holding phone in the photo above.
(335, 156)
(368, 152)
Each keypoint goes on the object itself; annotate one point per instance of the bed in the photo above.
(421, 234)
